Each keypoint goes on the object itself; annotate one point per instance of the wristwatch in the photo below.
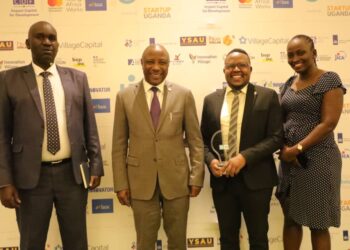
(300, 147)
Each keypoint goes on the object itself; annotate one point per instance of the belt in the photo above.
(54, 163)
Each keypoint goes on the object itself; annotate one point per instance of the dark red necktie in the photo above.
(155, 107)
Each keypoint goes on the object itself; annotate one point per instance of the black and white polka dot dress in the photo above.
(314, 191)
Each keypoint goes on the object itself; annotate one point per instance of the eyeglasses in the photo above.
(238, 65)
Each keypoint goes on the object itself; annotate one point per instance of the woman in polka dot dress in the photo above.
(309, 191)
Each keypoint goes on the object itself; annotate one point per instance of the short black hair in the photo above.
(239, 50)
(306, 38)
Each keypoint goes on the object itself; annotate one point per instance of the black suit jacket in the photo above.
(261, 135)
(22, 126)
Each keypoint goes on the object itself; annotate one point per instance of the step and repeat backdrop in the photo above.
(105, 39)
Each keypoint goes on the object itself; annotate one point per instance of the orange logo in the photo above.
(55, 3)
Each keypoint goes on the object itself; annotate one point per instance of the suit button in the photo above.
(155, 159)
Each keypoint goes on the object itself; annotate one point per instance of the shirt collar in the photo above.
(243, 90)
(148, 86)
(38, 70)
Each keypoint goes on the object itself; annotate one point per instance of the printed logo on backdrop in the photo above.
(95, 5)
(101, 105)
(134, 61)
(263, 4)
(228, 40)
(345, 205)
(345, 235)
(101, 206)
(216, 6)
(266, 57)
(23, 8)
(100, 90)
(338, 10)
(283, 56)
(200, 242)
(245, 3)
(202, 59)
(102, 190)
(60, 61)
(131, 79)
(263, 41)
(341, 138)
(8, 64)
(78, 62)
(98, 60)
(275, 240)
(9, 248)
(337, 40)
(214, 40)
(152, 40)
(156, 12)
(283, 3)
(21, 45)
(81, 45)
(345, 153)
(133, 246)
(346, 108)
(193, 41)
(340, 56)
(177, 60)
(6, 45)
(98, 247)
(323, 57)
(126, 1)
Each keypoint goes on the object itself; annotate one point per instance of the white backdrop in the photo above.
(105, 38)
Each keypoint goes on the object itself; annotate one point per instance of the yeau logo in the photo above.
(55, 3)
(6, 45)
(200, 242)
(193, 41)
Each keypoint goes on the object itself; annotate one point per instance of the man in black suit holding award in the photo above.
(249, 122)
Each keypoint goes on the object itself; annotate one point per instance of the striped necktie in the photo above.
(232, 136)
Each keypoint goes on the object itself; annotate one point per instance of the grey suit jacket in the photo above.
(261, 135)
(142, 154)
(22, 126)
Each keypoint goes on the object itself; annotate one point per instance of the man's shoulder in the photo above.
(70, 70)
(15, 70)
(262, 89)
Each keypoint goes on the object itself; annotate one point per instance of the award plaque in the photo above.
(219, 149)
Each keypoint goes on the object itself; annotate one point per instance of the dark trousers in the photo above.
(56, 187)
(255, 206)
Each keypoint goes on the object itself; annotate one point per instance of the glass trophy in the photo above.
(217, 148)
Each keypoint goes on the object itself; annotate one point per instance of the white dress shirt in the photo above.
(59, 98)
(149, 93)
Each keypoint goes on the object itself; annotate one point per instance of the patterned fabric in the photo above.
(232, 136)
(155, 107)
(53, 139)
(314, 191)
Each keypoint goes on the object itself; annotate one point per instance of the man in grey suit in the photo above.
(250, 120)
(47, 134)
(150, 166)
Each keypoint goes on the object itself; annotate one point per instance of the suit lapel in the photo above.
(220, 96)
(249, 104)
(30, 80)
(66, 84)
(140, 97)
(167, 100)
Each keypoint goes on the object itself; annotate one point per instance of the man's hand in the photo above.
(124, 197)
(9, 197)
(215, 169)
(234, 165)
(94, 182)
(195, 190)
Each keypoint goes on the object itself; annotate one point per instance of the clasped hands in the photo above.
(232, 167)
